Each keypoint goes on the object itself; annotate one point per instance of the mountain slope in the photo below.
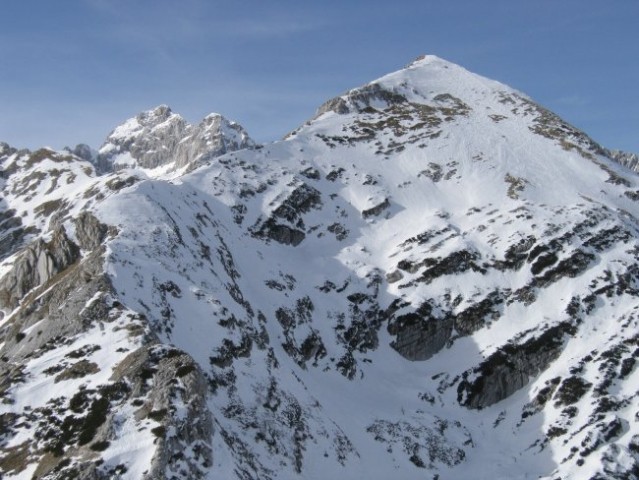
(434, 276)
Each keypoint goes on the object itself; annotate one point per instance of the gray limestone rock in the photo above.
(510, 368)
(6, 149)
(627, 159)
(35, 265)
(301, 200)
(12, 232)
(89, 231)
(66, 296)
(175, 378)
(159, 137)
(420, 334)
(60, 304)
(361, 98)
(377, 209)
(84, 152)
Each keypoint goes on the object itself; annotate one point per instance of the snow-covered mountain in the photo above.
(434, 277)
(159, 137)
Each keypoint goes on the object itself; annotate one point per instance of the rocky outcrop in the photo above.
(479, 314)
(361, 98)
(170, 389)
(281, 233)
(37, 264)
(377, 209)
(85, 152)
(159, 137)
(424, 445)
(89, 231)
(60, 304)
(68, 297)
(286, 223)
(12, 233)
(627, 159)
(510, 368)
(5, 151)
(420, 334)
(64, 297)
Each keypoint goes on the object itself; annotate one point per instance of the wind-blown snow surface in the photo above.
(434, 278)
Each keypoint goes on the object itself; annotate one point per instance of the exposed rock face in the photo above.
(281, 233)
(425, 445)
(627, 159)
(510, 368)
(159, 137)
(377, 209)
(11, 232)
(63, 302)
(37, 264)
(291, 210)
(360, 99)
(85, 152)
(183, 435)
(89, 231)
(420, 335)
(6, 149)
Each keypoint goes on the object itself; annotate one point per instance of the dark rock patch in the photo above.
(510, 367)
(420, 334)
(377, 209)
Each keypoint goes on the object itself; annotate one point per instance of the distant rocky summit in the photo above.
(630, 160)
(159, 137)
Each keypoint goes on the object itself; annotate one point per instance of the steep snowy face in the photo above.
(37, 189)
(432, 96)
(159, 137)
(72, 357)
(435, 276)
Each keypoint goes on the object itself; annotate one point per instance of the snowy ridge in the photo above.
(433, 277)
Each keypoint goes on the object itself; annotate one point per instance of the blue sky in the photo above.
(71, 70)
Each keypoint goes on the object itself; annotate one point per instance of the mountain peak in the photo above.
(6, 149)
(428, 80)
(212, 117)
(156, 115)
(143, 122)
(159, 137)
(161, 110)
(426, 59)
